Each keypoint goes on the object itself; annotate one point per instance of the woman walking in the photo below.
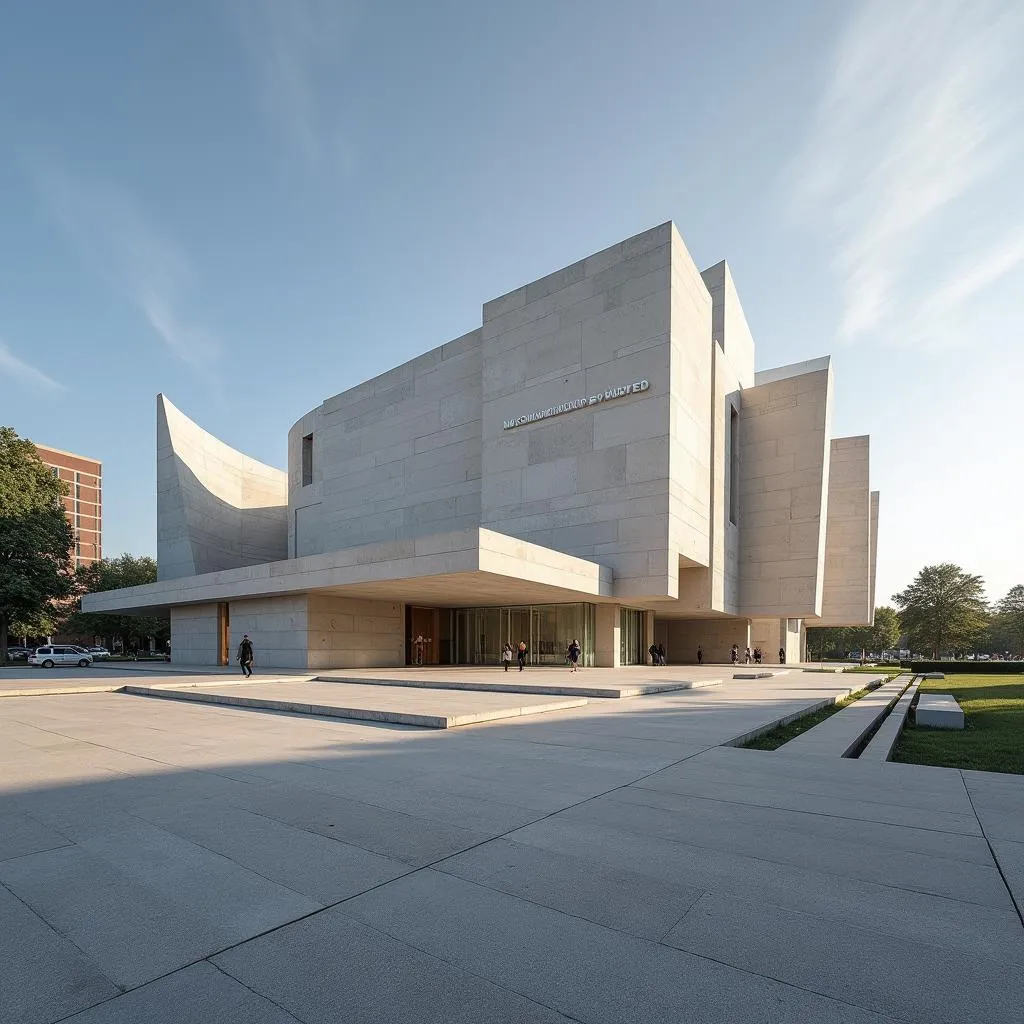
(573, 654)
(521, 655)
(506, 655)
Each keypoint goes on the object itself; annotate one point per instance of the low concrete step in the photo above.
(840, 735)
(566, 689)
(429, 709)
(882, 744)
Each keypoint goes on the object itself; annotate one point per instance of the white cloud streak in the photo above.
(22, 371)
(293, 47)
(121, 245)
(911, 124)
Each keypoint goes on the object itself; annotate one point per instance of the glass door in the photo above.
(631, 637)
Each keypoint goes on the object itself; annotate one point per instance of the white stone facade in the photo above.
(602, 436)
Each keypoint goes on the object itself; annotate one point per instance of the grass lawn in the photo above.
(784, 733)
(992, 739)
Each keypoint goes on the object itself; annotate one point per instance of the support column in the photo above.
(606, 641)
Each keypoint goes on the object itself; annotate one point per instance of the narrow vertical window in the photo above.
(734, 465)
(307, 460)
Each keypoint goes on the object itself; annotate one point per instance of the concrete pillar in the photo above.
(606, 640)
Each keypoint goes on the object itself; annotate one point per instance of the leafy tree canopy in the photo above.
(113, 574)
(944, 609)
(35, 536)
(1011, 618)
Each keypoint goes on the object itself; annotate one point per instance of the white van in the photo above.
(60, 655)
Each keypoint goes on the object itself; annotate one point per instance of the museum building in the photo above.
(599, 460)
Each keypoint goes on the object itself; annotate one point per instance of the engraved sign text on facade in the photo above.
(576, 403)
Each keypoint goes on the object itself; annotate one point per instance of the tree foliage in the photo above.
(1010, 619)
(113, 574)
(839, 641)
(944, 609)
(35, 537)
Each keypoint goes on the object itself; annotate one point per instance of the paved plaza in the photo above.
(169, 861)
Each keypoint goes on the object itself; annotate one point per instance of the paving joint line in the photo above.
(992, 852)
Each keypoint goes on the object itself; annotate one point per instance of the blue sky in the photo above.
(254, 204)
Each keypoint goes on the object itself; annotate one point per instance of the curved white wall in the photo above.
(216, 508)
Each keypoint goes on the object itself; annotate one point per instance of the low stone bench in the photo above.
(939, 711)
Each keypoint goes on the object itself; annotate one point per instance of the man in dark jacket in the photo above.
(245, 655)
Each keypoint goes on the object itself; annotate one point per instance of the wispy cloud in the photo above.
(294, 48)
(124, 247)
(915, 118)
(22, 371)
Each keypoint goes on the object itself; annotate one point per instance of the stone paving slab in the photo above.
(935, 986)
(43, 975)
(332, 967)
(199, 993)
(429, 709)
(579, 968)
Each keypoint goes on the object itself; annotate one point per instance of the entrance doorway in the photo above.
(223, 633)
(423, 641)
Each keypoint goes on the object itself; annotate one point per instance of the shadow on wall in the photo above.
(199, 532)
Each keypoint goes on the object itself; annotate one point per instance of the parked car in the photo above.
(18, 653)
(63, 654)
(98, 652)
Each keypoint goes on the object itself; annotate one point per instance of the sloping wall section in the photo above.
(216, 508)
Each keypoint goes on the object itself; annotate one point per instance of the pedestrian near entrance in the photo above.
(700, 655)
(782, 655)
(735, 654)
(506, 655)
(521, 655)
(653, 652)
(573, 654)
(661, 655)
(245, 655)
(747, 656)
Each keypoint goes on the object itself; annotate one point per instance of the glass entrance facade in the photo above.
(478, 634)
(631, 637)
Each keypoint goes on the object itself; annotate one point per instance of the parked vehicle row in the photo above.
(57, 654)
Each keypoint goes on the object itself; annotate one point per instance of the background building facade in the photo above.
(598, 460)
(84, 501)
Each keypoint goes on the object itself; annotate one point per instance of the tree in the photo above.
(35, 537)
(113, 574)
(1011, 617)
(886, 631)
(825, 640)
(944, 609)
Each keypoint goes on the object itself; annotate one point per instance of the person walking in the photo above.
(245, 655)
(757, 655)
(653, 652)
(521, 655)
(782, 655)
(700, 655)
(735, 654)
(661, 655)
(506, 655)
(573, 654)
(747, 656)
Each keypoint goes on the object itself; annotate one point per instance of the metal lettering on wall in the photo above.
(577, 403)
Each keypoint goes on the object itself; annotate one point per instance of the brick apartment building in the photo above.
(84, 501)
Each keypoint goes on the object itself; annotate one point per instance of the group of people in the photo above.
(756, 655)
(657, 653)
(519, 652)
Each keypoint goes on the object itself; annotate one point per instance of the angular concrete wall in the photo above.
(593, 482)
(396, 457)
(784, 445)
(846, 594)
(216, 508)
(874, 549)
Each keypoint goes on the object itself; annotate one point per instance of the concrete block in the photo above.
(938, 711)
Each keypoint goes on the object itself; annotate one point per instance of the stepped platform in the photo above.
(882, 744)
